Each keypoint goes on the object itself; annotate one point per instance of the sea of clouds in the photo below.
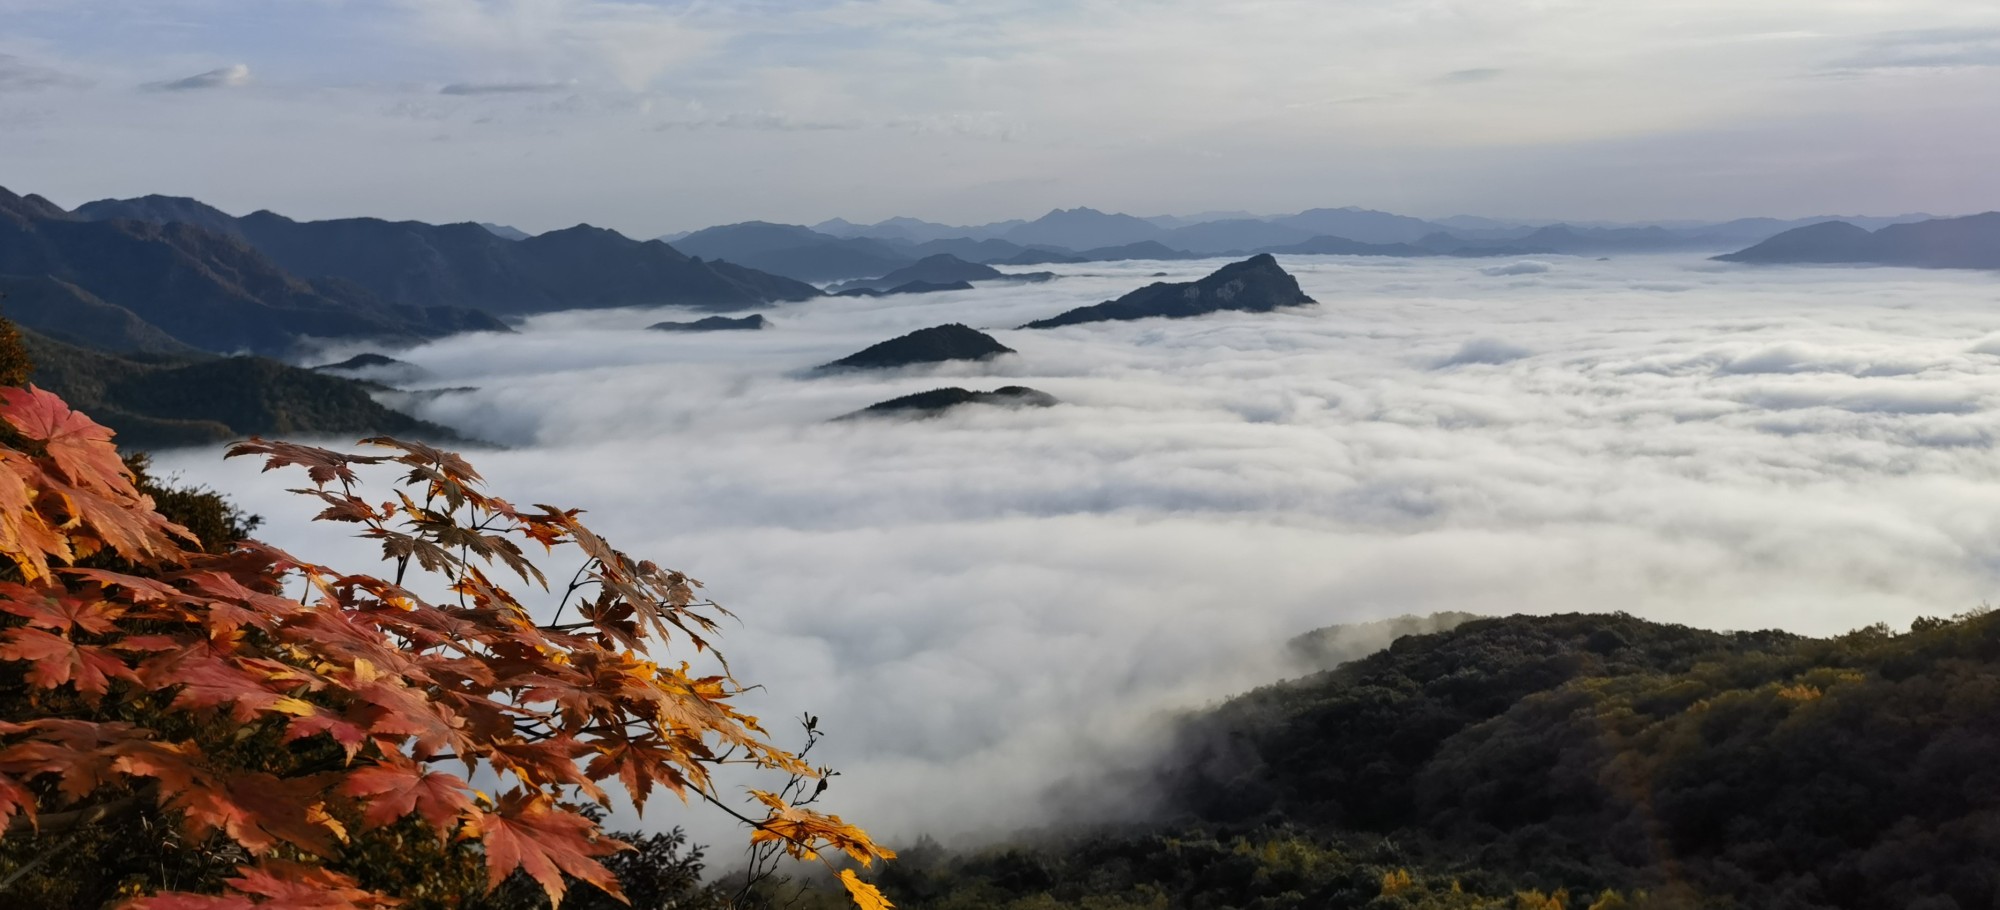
(985, 605)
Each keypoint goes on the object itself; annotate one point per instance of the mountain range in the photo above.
(467, 265)
(125, 305)
(129, 285)
(161, 274)
(837, 249)
(1971, 242)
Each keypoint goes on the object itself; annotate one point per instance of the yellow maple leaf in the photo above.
(864, 894)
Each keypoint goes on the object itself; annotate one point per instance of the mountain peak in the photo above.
(1255, 285)
(937, 344)
(30, 207)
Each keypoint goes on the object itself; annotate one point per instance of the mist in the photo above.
(986, 605)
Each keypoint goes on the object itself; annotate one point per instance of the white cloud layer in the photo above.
(982, 605)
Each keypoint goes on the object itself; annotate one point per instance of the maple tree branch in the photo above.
(575, 582)
(73, 819)
(719, 804)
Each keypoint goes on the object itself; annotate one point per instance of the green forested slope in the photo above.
(161, 401)
(1508, 759)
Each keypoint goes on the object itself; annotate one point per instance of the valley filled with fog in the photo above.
(981, 605)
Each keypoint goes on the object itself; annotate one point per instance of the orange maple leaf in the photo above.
(26, 536)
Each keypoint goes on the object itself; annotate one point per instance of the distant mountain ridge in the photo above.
(941, 268)
(793, 251)
(199, 286)
(467, 265)
(1969, 242)
(1086, 234)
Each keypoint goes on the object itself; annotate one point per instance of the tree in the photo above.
(269, 721)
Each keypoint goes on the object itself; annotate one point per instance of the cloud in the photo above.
(227, 77)
(1925, 49)
(1479, 74)
(1485, 350)
(18, 75)
(1524, 267)
(982, 606)
(778, 121)
(506, 88)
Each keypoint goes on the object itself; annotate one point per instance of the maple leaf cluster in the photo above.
(140, 677)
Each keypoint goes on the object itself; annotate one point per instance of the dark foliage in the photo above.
(16, 365)
(364, 361)
(751, 323)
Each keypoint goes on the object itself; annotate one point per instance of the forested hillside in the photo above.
(1575, 761)
(158, 401)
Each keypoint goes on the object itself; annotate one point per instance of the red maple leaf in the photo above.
(275, 885)
(323, 465)
(208, 679)
(79, 752)
(52, 609)
(395, 790)
(136, 535)
(640, 763)
(397, 711)
(14, 799)
(348, 734)
(529, 832)
(261, 811)
(293, 886)
(54, 660)
(81, 449)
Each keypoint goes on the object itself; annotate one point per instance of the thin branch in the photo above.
(44, 856)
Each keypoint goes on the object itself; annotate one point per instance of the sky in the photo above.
(651, 116)
(988, 605)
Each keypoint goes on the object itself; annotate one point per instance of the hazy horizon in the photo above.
(656, 117)
(1189, 217)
